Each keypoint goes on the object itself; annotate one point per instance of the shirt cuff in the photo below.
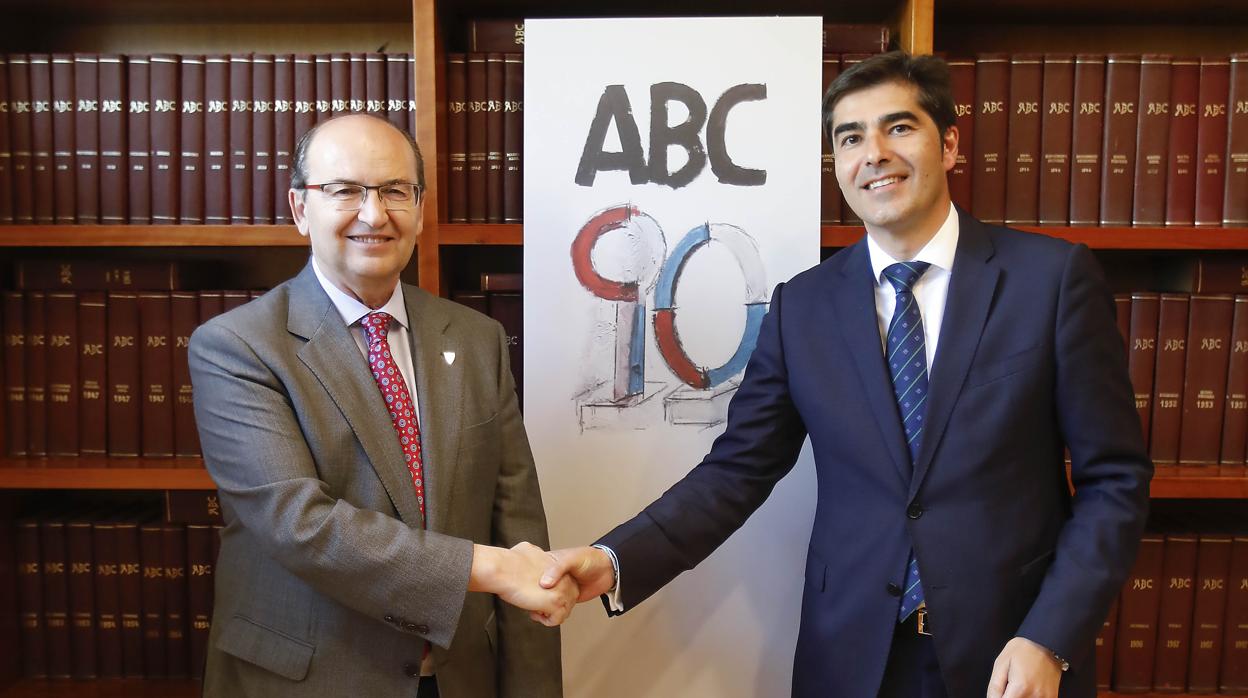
(613, 594)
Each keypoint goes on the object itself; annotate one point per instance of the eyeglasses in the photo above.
(350, 197)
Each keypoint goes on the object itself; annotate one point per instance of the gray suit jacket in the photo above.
(327, 584)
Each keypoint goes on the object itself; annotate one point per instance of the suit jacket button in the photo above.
(410, 627)
(411, 670)
(893, 589)
(914, 511)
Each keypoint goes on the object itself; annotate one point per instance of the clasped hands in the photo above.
(547, 584)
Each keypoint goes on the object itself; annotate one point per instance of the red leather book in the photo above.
(1122, 94)
(32, 635)
(1152, 137)
(1233, 679)
(513, 137)
(94, 275)
(166, 163)
(324, 87)
(410, 83)
(216, 140)
(962, 77)
(139, 139)
(210, 305)
(233, 299)
(1174, 619)
(36, 374)
(305, 94)
(1181, 150)
(184, 311)
(1056, 124)
(396, 89)
(457, 136)
(41, 138)
(1104, 652)
(62, 371)
(199, 507)
(340, 83)
(15, 407)
(107, 599)
(200, 566)
(151, 549)
(1204, 385)
(130, 597)
(496, 34)
(283, 134)
(358, 100)
(156, 374)
(53, 548)
(6, 146)
(1235, 421)
(262, 139)
(992, 98)
(851, 38)
(1211, 140)
(829, 190)
(240, 139)
(92, 373)
(1087, 128)
(1168, 383)
(124, 394)
(848, 217)
(1022, 185)
(375, 84)
(87, 137)
(1213, 557)
(177, 643)
(1137, 619)
(64, 172)
(114, 172)
(505, 301)
(193, 139)
(478, 103)
(20, 126)
(495, 92)
(81, 599)
(1235, 210)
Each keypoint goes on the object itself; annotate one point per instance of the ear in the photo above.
(949, 147)
(297, 210)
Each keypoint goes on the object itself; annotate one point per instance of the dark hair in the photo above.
(299, 165)
(928, 74)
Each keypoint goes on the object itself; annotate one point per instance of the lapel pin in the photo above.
(449, 356)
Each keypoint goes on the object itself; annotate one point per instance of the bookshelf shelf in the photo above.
(481, 234)
(104, 474)
(151, 236)
(1188, 487)
(104, 688)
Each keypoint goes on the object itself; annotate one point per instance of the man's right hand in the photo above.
(590, 567)
(513, 574)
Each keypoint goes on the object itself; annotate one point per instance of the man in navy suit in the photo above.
(941, 367)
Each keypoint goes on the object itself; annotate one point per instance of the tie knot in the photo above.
(376, 326)
(902, 275)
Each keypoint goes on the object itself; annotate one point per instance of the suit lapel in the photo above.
(853, 296)
(971, 289)
(334, 358)
(439, 389)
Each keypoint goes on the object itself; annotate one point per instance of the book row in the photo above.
(166, 139)
(1180, 623)
(1091, 139)
(110, 595)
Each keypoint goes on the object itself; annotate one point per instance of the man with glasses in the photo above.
(372, 464)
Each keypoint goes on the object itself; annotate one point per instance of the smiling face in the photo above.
(362, 252)
(891, 161)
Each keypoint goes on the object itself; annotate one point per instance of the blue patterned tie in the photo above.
(907, 364)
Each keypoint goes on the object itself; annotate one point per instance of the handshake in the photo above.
(547, 584)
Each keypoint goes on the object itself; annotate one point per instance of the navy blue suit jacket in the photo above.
(1029, 363)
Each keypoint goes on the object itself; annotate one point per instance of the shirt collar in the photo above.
(938, 252)
(352, 310)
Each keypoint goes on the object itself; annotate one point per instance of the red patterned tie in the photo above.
(398, 400)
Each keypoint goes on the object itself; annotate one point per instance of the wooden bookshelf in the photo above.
(86, 473)
(151, 236)
(104, 688)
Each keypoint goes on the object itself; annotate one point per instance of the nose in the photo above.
(372, 211)
(876, 151)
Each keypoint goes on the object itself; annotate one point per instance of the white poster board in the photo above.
(671, 180)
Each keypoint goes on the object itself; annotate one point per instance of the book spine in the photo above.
(1235, 421)
(396, 89)
(139, 139)
(200, 568)
(1233, 679)
(340, 83)
(1152, 137)
(1204, 385)
(1137, 619)
(1168, 382)
(829, 190)
(283, 135)
(64, 140)
(1022, 187)
(36, 374)
(457, 137)
(1181, 150)
(92, 373)
(166, 165)
(1087, 126)
(62, 368)
(6, 145)
(130, 598)
(1122, 93)
(1056, 130)
(358, 100)
(81, 600)
(1211, 140)
(107, 599)
(1213, 559)
(478, 102)
(151, 547)
(41, 137)
(1235, 195)
(495, 94)
(32, 634)
(20, 117)
(216, 158)
(513, 138)
(503, 35)
(210, 305)
(262, 139)
(69, 275)
(15, 405)
(1174, 619)
(184, 313)
(86, 157)
(324, 87)
(177, 647)
(52, 545)
(191, 208)
(305, 95)
(156, 374)
(375, 84)
(992, 98)
(124, 395)
(962, 78)
(114, 171)
(240, 139)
